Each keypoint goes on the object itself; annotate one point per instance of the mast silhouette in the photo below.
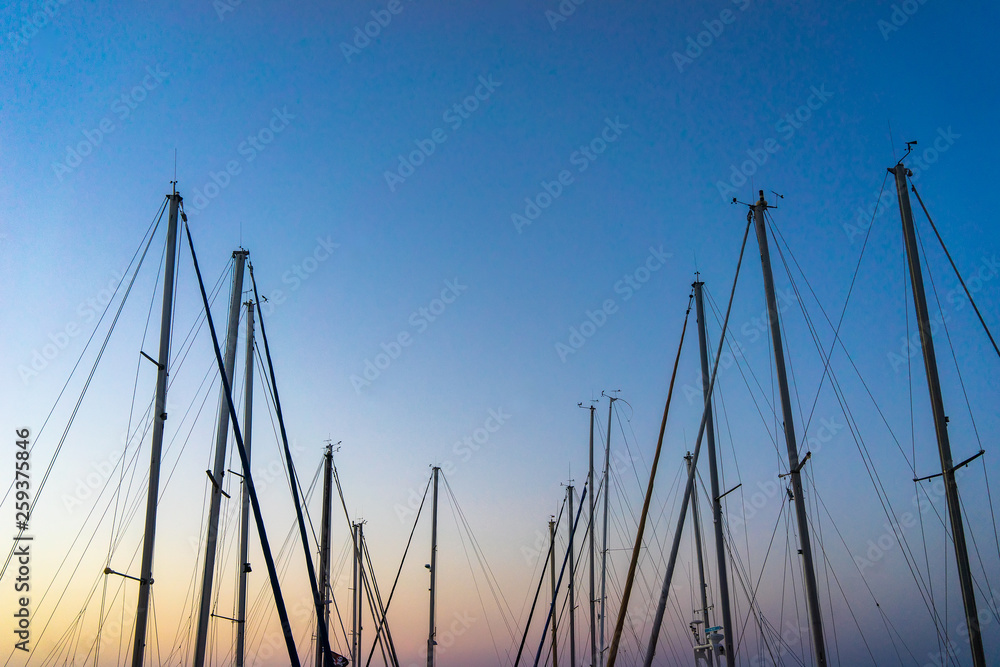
(433, 568)
(572, 584)
(794, 466)
(221, 438)
(604, 530)
(159, 419)
(720, 545)
(552, 553)
(324, 551)
(940, 419)
(241, 609)
(590, 485)
(705, 647)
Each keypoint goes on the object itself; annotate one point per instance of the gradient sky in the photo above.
(308, 119)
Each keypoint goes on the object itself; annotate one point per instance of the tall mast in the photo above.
(590, 485)
(661, 606)
(940, 421)
(604, 530)
(355, 600)
(701, 569)
(360, 592)
(160, 416)
(324, 550)
(552, 552)
(794, 467)
(241, 613)
(720, 545)
(572, 582)
(221, 438)
(433, 567)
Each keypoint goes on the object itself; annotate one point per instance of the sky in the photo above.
(467, 219)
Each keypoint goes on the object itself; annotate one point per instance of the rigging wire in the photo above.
(128, 429)
(261, 533)
(482, 603)
(881, 492)
(311, 571)
(875, 478)
(375, 602)
(538, 590)
(79, 562)
(76, 408)
(968, 403)
(689, 487)
(576, 522)
(150, 232)
(955, 268)
(406, 550)
(497, 593)
(116, 538)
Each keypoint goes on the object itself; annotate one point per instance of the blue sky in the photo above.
(628, 135)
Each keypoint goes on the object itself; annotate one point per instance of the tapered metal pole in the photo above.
(572, 586)
(324, 551)
(361, 584)
(272, 573)
(703, 589)
(675, 547)
(668, 578)
(604, 530)
(221, 438)
(355, 600)
(940, 421)
(552, 552)
(159, 418)
(434, 546)
(241, 613)
(720, 545)
(794, 468)
(590, 485)
(562, 570)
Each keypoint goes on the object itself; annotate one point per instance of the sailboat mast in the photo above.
(572, 585)
(355, 600)
(701, 565)
(604, 531)
(324, 550)
(221, 438)
(590, 485)
(434, 547)
(360, 592)
(940, 421)
(794, 467)
(241, 613)
(160, 417)
(720, 545)
(552, 552)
